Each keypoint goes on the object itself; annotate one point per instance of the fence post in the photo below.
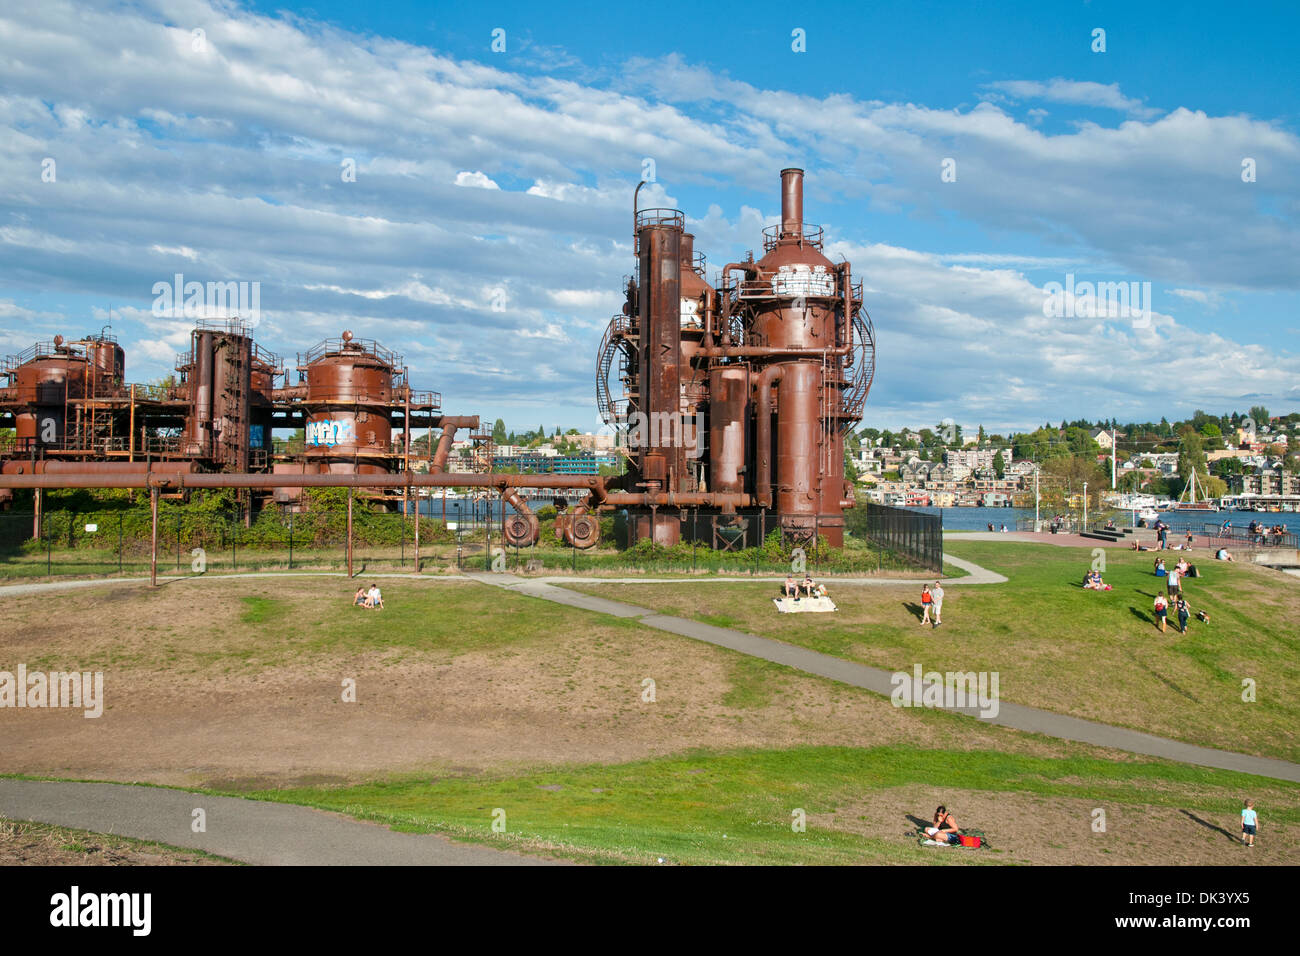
(349, 548)
(153, 537)
(49, 557)
(178, 542)
(417, 534)
(234, 541)
(291, 540)
(119, 542)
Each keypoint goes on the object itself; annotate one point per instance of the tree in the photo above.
(1260, 414)
(499, 432)
(999, 466)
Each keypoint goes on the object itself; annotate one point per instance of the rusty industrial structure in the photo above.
(736, 399)
(735, 402)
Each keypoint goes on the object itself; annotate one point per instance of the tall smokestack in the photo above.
(792, 204)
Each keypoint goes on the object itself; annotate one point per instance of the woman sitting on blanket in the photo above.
(945, 829)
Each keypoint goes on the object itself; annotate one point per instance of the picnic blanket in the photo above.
(804, 605)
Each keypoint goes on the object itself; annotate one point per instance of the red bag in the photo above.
(970, 841)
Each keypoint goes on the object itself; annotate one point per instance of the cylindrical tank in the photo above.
(108, 364)
(728, 403)
(799, 310)
(349, 388)
(43, 385)
(661, 453)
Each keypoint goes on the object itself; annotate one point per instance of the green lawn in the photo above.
(1057, 646)
(735, 807)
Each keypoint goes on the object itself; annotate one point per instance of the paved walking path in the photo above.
(252, 831)
(975, 575)
(881, 682)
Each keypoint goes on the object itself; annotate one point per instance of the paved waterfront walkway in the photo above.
(251, 831)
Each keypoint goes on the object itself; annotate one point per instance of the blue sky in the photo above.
(487, 176)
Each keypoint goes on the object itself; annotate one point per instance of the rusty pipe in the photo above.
(725, 322)
(792, 204)
(771, 351)
(763, 433)
(450, 425)
(288, 393)
(689, 499)
(161, 479)
(520, 529)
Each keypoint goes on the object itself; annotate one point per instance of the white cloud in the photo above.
(475, 179)
(1074, 92)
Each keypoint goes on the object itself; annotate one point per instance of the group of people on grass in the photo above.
(1175, 600)
(931, 600)
(805, 588)
(370, 597)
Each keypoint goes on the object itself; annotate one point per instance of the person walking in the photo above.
(927, 601)
(1162, 611)
(1174, 578)
(936, 594)
(1249, 823)
(1184, 612)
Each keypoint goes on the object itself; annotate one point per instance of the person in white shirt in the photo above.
(936, 594)
(374, 598)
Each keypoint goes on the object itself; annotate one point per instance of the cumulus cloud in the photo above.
(1075, 93)
(234, 169)
(475, 179)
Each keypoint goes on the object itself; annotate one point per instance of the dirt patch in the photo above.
(1057, 831)
(39, 844)
(195, 705)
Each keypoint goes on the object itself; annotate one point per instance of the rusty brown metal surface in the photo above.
(777, 360)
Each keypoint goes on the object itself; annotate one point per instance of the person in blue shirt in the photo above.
(1249, 821)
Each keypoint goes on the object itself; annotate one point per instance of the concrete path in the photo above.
(881, 682)
(974, 575)
(251, 831)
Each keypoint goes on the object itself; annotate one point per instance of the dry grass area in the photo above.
(39, 844)
(238, 685)
(1025, 828)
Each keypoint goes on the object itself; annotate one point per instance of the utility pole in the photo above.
(1035, 461)
(1085, 506)
(1112, 459)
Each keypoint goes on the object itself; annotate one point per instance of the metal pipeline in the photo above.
(763, 433)
(690, 499)
(176, 479)
(771, 351)
(520, 529)
(746, 267)
(447, 438)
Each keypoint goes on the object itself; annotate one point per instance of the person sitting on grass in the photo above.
(1160, 567)
(790, 589)
(1092, 581)
(809, 585)
(359, 599)
(945, 829)
(1223, 554)
(374, 599)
